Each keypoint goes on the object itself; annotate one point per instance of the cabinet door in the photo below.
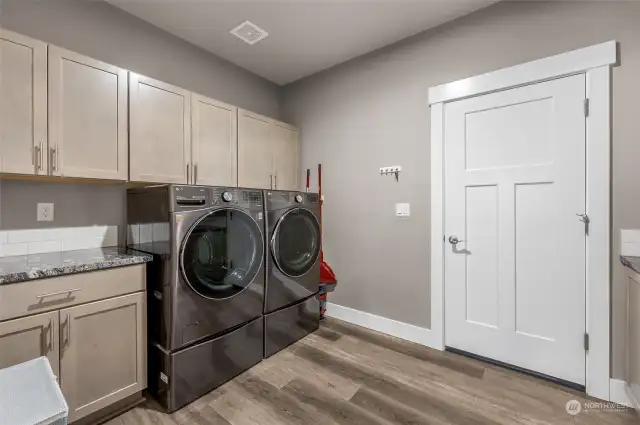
(28, 338)
(255, 157)
(87, 117)
(159, 126)
(214, 142)
(23, 104)
(286, 157)
(103, 353)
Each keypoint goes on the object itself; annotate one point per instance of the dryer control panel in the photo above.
(277, 199)
(232, 196)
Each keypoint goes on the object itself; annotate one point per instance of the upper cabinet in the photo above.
(214, 143)
(159, 131)
(67, 115)
(87, 117)
(255, 160)
(23, 104)
(268, 153)
(286, 156)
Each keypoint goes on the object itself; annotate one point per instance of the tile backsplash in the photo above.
(38, 241)
(149, 232)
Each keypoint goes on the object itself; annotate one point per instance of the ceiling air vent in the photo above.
(249, 32)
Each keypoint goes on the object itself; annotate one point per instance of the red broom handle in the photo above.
(320, 208)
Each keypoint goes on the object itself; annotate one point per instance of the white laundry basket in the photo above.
(30, 395)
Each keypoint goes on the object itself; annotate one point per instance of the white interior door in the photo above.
(514, 182)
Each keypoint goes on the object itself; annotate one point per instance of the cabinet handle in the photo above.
(38, 150)
(270, 181)
(52, 294)
(54, 159)
(195, 173)
(275, 181)
(53, 343)
(68, 330)
(188, 180)
(41, 156)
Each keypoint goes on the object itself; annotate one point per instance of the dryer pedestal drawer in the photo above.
(286, 326)
(178, 378)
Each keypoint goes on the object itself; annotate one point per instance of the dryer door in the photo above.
(295, 244)
(222, 253)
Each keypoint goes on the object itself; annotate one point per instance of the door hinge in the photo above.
(586, 107)
(586, 341)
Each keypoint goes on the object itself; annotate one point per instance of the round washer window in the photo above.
(222, 254)
(296, 242)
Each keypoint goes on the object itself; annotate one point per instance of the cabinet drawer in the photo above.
(38, 296)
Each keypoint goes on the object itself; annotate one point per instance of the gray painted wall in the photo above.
(75, 204)
(372, 112)
(104, 32)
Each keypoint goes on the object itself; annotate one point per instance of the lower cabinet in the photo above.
(28, 338)
(103, 353)
(97, 350)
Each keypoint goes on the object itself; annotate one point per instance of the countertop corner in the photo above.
(632, 262)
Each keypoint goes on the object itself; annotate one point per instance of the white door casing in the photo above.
(514, 181)
(596, 62)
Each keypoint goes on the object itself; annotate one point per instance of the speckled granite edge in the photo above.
(38, 266)
(632, 262)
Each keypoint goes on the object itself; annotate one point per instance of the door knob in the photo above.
(453, 240)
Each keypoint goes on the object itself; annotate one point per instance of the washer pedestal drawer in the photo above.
(284, 327)
(178, 378)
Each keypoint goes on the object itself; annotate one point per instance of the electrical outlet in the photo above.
(45, 211)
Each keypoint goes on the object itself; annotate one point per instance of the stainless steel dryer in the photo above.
(205, 285)
(291, 306)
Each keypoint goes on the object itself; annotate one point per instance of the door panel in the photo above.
(514, 182)
(255, 156)
(482, 266)
(159, 140)
(215, 144)
(87, 117)
(23, 104)
(28, 338)
(285, 157)
(104, 353)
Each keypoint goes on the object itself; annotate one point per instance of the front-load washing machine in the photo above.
(291, 306)
(205, 285)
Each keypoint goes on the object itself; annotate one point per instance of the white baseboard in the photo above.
(635, 403)
(618, 393)
(391, 327)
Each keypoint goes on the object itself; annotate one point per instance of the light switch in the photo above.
(403, 210)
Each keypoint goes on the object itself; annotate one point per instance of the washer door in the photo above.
(295, 244)
(222, 253)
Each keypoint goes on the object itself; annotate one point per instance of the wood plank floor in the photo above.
(347, 375)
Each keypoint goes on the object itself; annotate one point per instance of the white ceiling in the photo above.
(305, 36)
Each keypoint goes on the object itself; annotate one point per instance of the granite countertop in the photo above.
(632, 262)
(37, 266)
